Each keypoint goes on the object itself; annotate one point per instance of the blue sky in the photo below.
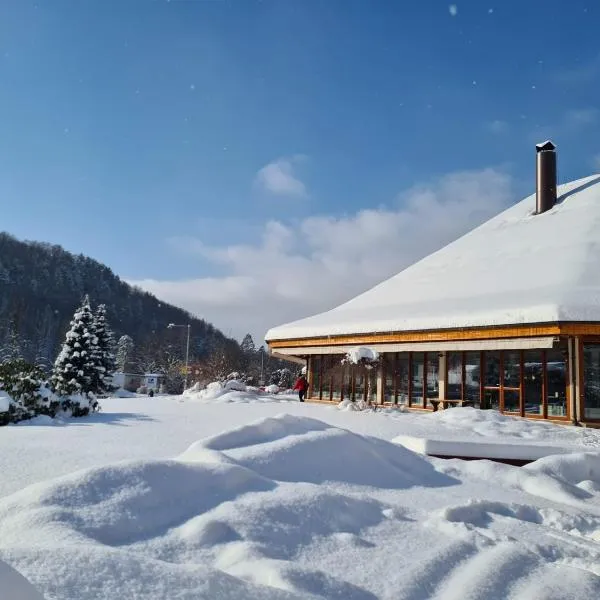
(175, 140)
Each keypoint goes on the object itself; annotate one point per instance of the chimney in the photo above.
(545, 192)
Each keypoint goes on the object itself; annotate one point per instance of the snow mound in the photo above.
(235, 385)
(223, 520)
(14, 586)
(123, 393)
(362, 354)
(291, 507)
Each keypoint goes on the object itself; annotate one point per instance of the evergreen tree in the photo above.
(124, 351)
(247, 345)
(75, 369)
(104, 356)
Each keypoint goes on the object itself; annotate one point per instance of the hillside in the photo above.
(41, 285)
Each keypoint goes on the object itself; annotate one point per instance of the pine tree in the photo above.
(75, 369)
(124, 351)
(105, 353)
(247, 345)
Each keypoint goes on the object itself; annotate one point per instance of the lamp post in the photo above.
(187, 351)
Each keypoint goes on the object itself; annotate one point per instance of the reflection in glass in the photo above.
(556, 374)
(491, 399)
(492, 369)
(372, 378)
(336, 381)
(388, 369)
(591, 381)
(326, 385)
(315, 363)
(454, 381)
(512, 369)
(347, 382)
(472, 377)
(417, 378)
(359, 384)
(433, 375)
(512, 401)
(533, 379)
(402, 378)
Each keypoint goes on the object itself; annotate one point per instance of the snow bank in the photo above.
(14, 586)
(478, 449)
(235, 391)
(123, 393)
(226, 519)
(288, 506)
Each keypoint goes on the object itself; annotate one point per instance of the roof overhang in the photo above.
(451, 346)
(439, 336)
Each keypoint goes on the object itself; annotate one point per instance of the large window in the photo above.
(410, 378)
(533, 382)
(522, 382)
(556, 383)
(454, 380)
(433, 375)
(529, 382)
(402, 378)
(591, 381)
(472, 380)
(417, 379)
(511, 376)
(389, 370)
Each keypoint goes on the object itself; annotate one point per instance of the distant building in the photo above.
(153, 381)
(507, 317)
(128, 381)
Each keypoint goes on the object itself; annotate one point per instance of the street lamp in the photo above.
(187, 350)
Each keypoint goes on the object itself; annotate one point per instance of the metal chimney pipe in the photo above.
(545, 191)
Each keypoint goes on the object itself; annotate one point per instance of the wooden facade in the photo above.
(559, 383)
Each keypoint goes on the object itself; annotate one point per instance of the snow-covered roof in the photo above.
(516, 268)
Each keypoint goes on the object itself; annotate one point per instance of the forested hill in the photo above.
(42, 284)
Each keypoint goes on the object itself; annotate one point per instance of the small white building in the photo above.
(128, 381)
(153, 381)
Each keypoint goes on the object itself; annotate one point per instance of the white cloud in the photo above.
(453, 9)
(579, 117)
(571, 122)
(293, 271)
(279, 177)
(497, 126)
(595, 162)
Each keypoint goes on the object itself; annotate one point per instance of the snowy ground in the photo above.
(246, 497)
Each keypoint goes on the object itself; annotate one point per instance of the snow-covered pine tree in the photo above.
(124, 351)
(105, 353)
(76, 368)
(247, 345)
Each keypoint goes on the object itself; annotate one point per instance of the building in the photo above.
(507, 317)
(128, 381)
(153, 381)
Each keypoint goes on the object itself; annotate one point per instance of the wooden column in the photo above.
(572, 374)
(380, 384)
(442, 377)
(578, 380)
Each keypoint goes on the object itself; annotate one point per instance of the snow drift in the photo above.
(292, 507)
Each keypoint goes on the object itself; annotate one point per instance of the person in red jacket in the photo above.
(302, 386)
